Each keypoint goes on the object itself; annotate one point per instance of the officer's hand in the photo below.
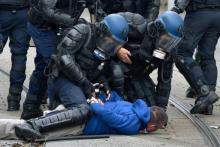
(102, 88)
(124, 55)
(106, 90)
(176, 9)
(94, 100)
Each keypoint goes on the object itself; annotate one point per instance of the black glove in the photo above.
(177, 10)
(102, 88)
(88, 89)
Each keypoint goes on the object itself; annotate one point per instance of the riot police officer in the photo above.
(13, 20)
(147, 8)
(149, 47)
(203, 33)
(47, 19)
(83, 54)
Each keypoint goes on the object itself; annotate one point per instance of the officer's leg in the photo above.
(78, 112)
(19, 43)
(3, 39)
(140, 88)
(45, 41)
(206, 49)
(5, 26)
(188, 67)
(31, 106)
(163, 87)
(190, 92)
(69, 94)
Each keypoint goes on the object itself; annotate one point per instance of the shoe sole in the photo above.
(23, 134)
(198, 108)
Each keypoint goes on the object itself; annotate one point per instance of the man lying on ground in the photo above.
(111, 116)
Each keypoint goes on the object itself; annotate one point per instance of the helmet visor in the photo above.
(108, 45)
(167, 42)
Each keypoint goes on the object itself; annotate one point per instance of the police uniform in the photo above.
(137, 82)
(203, 33)
(82, 56)
(46, 21)
(13, 20)
(147, 8)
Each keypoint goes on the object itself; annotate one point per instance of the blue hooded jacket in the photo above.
(117, 116)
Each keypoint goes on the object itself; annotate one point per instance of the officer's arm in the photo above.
(152, 8)
(180, 5)
(121, 123)
(163, 87)
(72, 43)
(54, 15)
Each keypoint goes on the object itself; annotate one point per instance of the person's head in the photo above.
(158, 119)
(111, 35)
(167, 29)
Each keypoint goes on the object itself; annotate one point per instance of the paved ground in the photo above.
(179, 133)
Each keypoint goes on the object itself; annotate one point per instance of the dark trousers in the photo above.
(13, 25)
(46, 43)
(66, 92)
(202, 30)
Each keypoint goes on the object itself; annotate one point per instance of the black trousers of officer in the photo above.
(202, 30)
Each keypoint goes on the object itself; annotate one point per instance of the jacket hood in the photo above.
(142, 111)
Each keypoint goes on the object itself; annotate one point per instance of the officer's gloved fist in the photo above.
(102, 88)
(176, 9)
(88, 89)
(95, 100)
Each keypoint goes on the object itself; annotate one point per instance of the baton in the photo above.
(72, 138)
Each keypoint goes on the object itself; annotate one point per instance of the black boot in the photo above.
(208, 110)
(54, 121)
(31, 112)
(26, 132)
(190, 93)
(13, 102)
(203, 102)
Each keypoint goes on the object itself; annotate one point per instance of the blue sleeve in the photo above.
(123, 124)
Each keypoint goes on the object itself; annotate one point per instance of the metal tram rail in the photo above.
(201, 125)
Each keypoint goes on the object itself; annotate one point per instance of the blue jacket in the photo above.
(117, 116)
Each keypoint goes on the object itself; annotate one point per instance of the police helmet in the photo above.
(170, 26)
(112, 34)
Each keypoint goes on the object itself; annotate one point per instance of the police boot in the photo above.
(13, 102)
(190, 93)
(56, 120)
(208, 110)
(203, 102)
(26, 132)
(31, 112)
